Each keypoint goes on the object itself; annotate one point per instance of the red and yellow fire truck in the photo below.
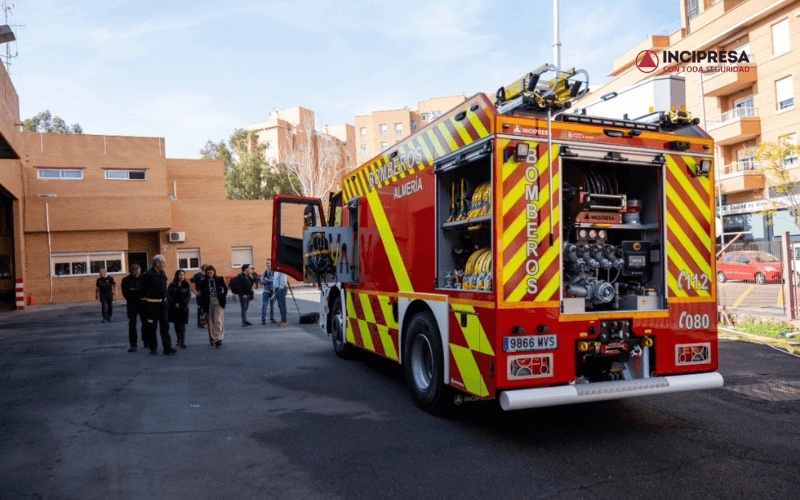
(512, 250)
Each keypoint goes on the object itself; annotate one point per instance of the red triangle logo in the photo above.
(647, 61)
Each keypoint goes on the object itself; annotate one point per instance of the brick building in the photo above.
(71, 204)
(380, 130)
(740, 109)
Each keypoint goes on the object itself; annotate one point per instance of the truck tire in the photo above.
(340, 345)
(424, 364)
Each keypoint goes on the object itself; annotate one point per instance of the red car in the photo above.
(757, 266)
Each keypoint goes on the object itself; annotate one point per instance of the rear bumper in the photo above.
(583, 393)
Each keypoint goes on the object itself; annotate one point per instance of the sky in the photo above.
(193, 71)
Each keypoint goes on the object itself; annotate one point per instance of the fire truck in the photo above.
(511, 250)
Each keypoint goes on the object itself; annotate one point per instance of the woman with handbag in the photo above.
(212, 300)
(180, 296)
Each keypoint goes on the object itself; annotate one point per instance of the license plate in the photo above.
(530, 343)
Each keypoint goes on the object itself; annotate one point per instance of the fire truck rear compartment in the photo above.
(612, 236)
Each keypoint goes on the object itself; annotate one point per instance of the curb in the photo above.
(758, 339)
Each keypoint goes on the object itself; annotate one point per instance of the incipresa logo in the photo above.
(647, 61)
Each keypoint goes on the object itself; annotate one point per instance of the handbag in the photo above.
(203, 318)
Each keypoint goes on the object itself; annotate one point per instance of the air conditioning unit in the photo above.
(176, 237)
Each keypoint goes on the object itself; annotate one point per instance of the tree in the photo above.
(316, 161)
(776, 160)
(247, 174)
(45, 122)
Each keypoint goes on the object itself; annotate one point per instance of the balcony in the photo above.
(721, 84)
(735, 126)
(743, 175)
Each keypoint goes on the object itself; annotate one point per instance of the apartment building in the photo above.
(380, 130)
(289, 133)
(73, 204)
(741, 104)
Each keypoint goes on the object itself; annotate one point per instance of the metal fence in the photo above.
(751, 277)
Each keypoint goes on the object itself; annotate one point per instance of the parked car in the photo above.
(757, 266)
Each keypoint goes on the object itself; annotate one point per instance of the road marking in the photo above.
(741, 297)
(780, 297)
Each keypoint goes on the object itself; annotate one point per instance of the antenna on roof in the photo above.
(6, 34)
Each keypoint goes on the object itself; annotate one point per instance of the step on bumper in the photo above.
(520, 399)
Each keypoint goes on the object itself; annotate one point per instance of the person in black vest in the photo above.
(213, 292)
(104, 292)
(196, 279)
(130, 290)
(153, 292)
(242, 286)
(180, 295)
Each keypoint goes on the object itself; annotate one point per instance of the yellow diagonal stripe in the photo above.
(389, 243)
(544, 263)
(477, 124)
(512, 197)
(366, 307)
(469, 370)
(675, 228)
(519, 256)
(690, 219)
(386, 307)
(366, 338)
(680, 264)
(521, 221)
(693, 195)
(473, 332)
(351, 313)
(435, 142)
(549, 289)
(386, 341)
(425, 152)
(462, 131)
(451, 143)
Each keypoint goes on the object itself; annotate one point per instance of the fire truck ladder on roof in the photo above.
(530, 93)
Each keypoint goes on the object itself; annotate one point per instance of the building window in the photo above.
(692, 9)
(269, 144)
(435, 114)
(384, 130)
(60, 174)
(363, 132)
(133, 175)
(426, 117)
(302, 148)
(189, 258)
(384, 146)
(89, 263)
(363, 151)
(791, 160)
(398, 129)
(413, 124)
(241, 255)
(780, 37)
(784, 93)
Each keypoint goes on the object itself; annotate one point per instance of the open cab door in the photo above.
(291, 216)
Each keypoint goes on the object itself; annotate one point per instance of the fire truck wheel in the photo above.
(424, 364)
(340, 346)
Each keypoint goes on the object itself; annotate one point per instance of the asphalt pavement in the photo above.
(274, 413)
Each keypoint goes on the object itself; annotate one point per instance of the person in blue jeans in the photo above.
(268, 295)
(281, 285)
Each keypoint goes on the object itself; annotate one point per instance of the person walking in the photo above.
(180, 296)
(213, 291)
(153, 292)
(105, 288)
(242, 286)
(130, 290)
(268, 295)
(195, 281)
(281, 286)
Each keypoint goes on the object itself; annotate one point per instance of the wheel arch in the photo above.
(439, 308)
(333, 294)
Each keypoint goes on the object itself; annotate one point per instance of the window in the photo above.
(302, 148)
(82, 264)
(133, 175)
(729, 257)
(60, 174)
(413, 124)
(746, 159)
(384, 146)
(791, 160)
(780, 37)
(269, 144)
(189, 258)
(784, 93)
(692, 9)
(384, 130)
(398, 129)
(426, 117)
(435, 114)
(363, 132)
(241, 255)
(363, 151)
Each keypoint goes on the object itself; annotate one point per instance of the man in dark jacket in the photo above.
(104, 292)
(130, 290)
(242, 286)
(153, 292)
(195, 281)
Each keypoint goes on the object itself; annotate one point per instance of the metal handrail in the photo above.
(730, 116)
